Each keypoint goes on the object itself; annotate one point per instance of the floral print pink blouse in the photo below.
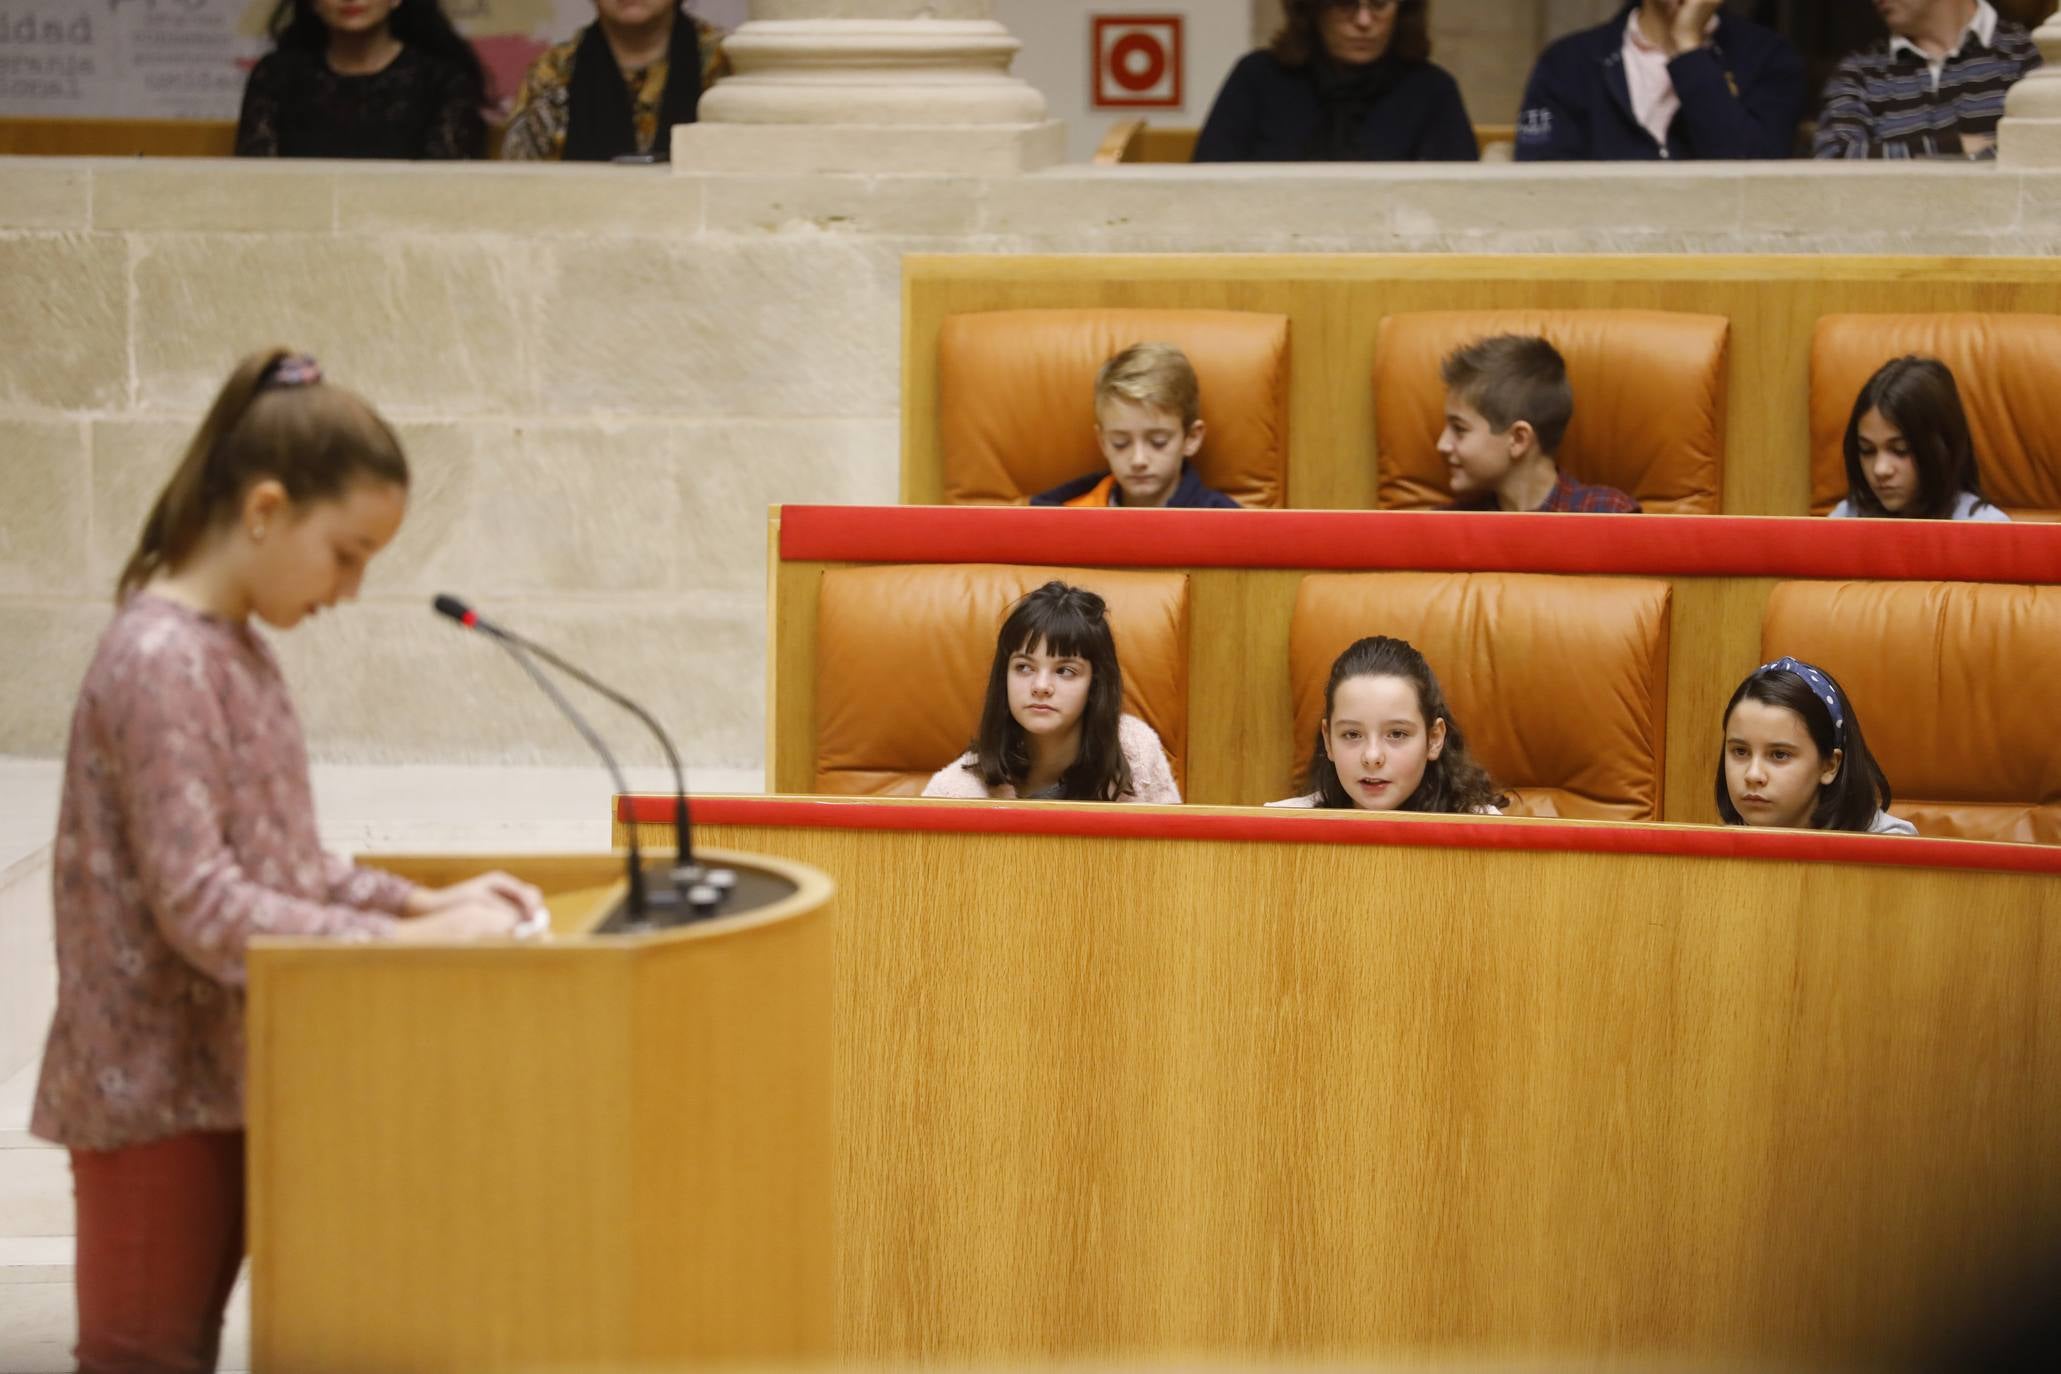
(187, 827)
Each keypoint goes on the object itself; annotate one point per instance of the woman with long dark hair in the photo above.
(1052, 727)
(1343, 81)
(364, 79)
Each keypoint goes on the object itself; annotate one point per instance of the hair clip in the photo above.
(295, 369)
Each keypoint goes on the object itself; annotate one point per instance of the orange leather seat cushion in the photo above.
(903, 652)
(2008, 369)
(1649, 401)
(1953, 683)
(1559, 683)
(1016, 397)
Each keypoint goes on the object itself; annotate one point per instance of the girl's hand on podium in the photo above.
(475, 919)
(519, 896)
(493, 904)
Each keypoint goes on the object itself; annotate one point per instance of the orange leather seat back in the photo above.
(1649, 401)
(1559, 683)
(1953, 683)
(2008, 369)
(903, 652)
(1016, 397)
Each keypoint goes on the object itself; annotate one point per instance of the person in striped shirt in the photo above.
(1935, 89)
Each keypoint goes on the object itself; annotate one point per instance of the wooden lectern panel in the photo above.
(1120, 1082)
(564, 1154)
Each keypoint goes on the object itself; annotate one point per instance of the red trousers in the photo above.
(160, 1239)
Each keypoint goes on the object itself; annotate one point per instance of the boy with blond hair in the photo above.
(1148, 423)
(1508, 404)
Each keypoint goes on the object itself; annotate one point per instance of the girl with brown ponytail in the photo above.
(188, 826)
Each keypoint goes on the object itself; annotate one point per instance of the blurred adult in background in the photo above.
(1664, 79)
(617, 87)
(1343, 81)
(1935, 88)
(364, 78)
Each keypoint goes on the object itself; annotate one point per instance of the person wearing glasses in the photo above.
(1343, 81)
(1665, 79)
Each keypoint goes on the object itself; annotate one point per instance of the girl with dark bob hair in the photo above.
(1343, 81)
(1908, 450)
(1388, 741)
(372, 79)
(1794, 756)
(1052, 727)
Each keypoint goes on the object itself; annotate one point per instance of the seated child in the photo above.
(1908, 451)
(1052, 727)
(1794, 756)
(1507, 408)
(1388, 741)
(1148, 421)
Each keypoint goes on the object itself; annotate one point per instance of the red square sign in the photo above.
(1138, 61)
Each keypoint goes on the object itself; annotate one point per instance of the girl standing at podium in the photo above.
(187, 827)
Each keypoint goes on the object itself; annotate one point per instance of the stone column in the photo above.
(2030, 135)
(870, 86)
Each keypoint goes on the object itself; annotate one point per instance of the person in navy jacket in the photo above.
(1344, 81)
(1665, 79)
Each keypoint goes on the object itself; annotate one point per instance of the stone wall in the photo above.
(605, 376)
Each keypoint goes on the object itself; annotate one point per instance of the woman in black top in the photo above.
(364, 78)
(1344, 81)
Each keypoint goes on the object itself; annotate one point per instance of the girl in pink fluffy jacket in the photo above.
(1053, 727)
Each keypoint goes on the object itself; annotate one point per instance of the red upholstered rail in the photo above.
(1432, 541)
(1345, 827)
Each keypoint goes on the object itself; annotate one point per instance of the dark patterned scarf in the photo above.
(600, 123)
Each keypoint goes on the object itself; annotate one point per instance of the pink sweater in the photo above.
(187, 827)
(1152, 780)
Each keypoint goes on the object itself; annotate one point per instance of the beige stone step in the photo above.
(39, 1315)
(35, 1187)
(37, 1325)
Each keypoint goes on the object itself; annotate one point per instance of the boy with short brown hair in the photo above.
(1508, 404)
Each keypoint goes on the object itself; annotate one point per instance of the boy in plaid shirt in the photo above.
(1507, 408)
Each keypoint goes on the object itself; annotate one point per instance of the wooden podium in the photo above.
(587, 1151)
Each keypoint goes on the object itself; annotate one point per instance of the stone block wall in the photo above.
(604, 377)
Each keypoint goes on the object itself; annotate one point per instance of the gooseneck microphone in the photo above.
(457, 610)
(683, 831)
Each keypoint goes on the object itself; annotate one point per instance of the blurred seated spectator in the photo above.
(617, 87)
(1664, 79)
(364, 78)
(1935, 89)
(1344, 81)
